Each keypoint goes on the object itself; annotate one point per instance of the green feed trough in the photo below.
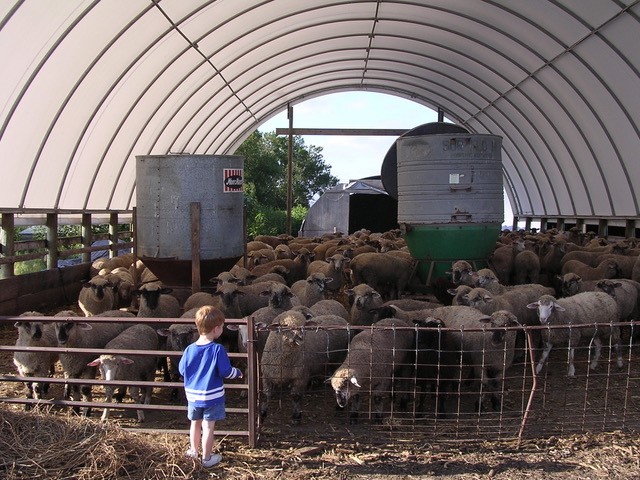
(438, 246)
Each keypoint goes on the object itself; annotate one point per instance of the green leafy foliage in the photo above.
(265, 170)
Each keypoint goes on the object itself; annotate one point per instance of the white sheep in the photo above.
(375, 356)
(96, 296)
(298, 349)
(129, 367)
(585, 308)
(156, 301)
(37, 363)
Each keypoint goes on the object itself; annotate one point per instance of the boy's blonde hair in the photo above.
(208, 318)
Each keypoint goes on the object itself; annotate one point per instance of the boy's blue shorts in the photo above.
(213, 413)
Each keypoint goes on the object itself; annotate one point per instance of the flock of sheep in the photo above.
(336, 308)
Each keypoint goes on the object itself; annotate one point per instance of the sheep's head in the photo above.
(98, 285)
(501, 318)
(179, 336)
(32, 330)
(570, 284)
(461, 272)
(485, 277)
(608, 286)
(345, 384)
(545, 306)
(477, 297)
(362, 296)
(149, 293)
(110, 365)
(67, 330)
(278, 295)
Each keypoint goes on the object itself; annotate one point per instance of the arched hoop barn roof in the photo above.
(88, 85)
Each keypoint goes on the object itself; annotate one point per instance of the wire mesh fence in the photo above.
(402, 384)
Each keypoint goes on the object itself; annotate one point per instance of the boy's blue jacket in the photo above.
(203, 368)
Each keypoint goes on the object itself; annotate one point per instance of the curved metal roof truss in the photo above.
(88, 85)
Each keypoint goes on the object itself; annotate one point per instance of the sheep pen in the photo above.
(325, 446)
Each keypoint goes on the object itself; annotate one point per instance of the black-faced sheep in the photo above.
(39, 363)
(72, 334)
(96, 296)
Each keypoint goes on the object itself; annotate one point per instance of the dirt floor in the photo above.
(586, 427)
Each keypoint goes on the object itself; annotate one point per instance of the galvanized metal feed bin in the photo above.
(450, 198)
(166, 187)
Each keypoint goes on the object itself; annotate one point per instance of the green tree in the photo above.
(265, 172)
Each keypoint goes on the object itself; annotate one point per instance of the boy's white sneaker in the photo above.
(214, 459)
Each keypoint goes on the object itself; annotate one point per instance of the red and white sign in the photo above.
(232, 180)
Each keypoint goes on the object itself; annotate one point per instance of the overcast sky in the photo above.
(356, 157)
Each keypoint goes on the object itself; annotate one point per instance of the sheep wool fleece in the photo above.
(203, 368)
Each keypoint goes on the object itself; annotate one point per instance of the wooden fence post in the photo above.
(7, 239)
(52, 241)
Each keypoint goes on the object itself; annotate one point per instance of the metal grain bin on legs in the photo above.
(450, 198)
(166, 188)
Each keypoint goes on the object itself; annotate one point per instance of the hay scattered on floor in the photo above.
(39, 445)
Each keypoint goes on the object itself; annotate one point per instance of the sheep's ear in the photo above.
(234, 327)
(166, 290)
(311, 323)
(163, 332)
(126, 361)
(354, 380)
(533, 305)
(328, 280)
(84, 326)
(260, 325)
(350, 293)
(485, 320)
(558, 307)
(95, 363)
(452, 291)
(486, 297)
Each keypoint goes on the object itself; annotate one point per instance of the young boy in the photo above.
(204, 365)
